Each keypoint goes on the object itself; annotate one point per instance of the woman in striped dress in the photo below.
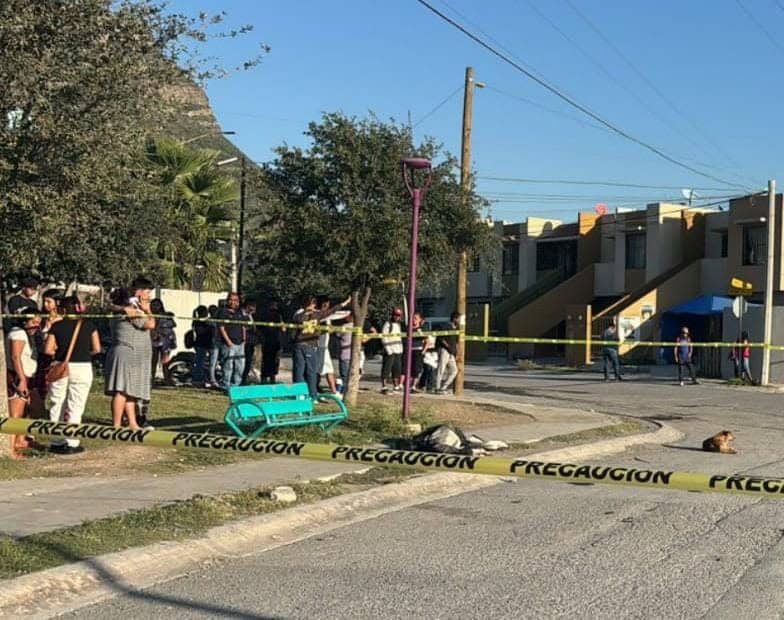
(128, 361)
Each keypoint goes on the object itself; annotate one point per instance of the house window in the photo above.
(755, 245)
(635, 251)
(511, 259)
(724, 244)
(474, 263)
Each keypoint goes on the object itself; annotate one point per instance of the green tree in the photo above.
(83, 81)
(339, 217)
(199, 212)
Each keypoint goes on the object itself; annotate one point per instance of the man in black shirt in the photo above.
(251, 338)
(231, 338)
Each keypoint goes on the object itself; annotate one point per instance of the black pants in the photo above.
(610, 358)
(250, 349)
(688, 364)
(392, 365)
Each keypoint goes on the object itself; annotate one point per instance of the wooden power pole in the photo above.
(462, 260)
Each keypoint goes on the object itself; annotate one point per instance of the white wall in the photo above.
(182, 304)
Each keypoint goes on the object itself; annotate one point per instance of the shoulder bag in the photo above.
(58, 370)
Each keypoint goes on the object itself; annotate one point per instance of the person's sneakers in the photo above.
(441, 392)
(397, 388)
(682, 384)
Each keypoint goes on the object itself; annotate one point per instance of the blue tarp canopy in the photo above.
(694, 315)
(705, 304)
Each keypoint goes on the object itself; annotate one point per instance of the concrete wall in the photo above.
(663, 238)
(589, 245)
(603, 280)
(753, 324)
(750, 210)
(182, 304)
(714, 278)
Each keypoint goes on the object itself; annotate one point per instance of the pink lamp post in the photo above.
(411, 169)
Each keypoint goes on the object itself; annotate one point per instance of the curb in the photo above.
(55, 591)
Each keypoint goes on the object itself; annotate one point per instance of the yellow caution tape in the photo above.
(490, 465)
(312, 327)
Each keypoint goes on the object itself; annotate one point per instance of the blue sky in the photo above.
(712, 61)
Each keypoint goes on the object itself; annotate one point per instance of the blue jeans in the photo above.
(304, 361)
(198, 365)
(232, 363)
(214, 352)
(345, 365)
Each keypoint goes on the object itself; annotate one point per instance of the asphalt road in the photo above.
(534, 549)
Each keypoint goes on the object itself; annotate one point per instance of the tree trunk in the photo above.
(5, 444)
(359, 308)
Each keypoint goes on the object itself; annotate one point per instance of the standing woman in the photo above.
(22, 364)
(67, 396)
(128, 362)
(50, 314)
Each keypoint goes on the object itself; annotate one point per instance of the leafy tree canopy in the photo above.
(83, 81)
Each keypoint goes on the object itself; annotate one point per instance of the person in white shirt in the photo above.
(392, 359)
(324, 364)
(22, 365)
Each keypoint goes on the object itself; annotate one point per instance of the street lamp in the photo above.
(410, 167)
(206, 135)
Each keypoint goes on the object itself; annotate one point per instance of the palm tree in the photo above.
(199, 214)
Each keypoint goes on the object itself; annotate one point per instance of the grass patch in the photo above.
(376, 418)
(178, 521)
(622, 429)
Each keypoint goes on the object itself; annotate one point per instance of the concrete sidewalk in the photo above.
(39, 505)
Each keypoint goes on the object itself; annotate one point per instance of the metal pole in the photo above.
(241, 242)
(487, 320)
(416, 199)
(765, 378)
(462, 261)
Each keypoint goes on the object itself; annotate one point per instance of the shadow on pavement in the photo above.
(115, 582)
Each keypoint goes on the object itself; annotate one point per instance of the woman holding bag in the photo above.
(72, 343)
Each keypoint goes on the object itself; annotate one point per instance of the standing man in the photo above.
(272, 343)
(251, 338)
(305, 356)
(392, 359)
(684, 353)
(610, 352)
(447, 364)
(231, 337)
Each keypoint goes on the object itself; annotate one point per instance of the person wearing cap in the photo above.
(684, 353)
(392, 358)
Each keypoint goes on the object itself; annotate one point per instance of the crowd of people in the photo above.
(51, 348)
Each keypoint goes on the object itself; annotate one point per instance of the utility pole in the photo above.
(769, 269)
(462, 260)
(241, 241)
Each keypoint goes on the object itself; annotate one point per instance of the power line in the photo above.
(652, 111)
(536, 104)
(437, 107)
(760, 26)
(604, 183)
(650, 84)
(558, 93)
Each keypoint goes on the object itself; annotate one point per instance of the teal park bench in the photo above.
(259, 408)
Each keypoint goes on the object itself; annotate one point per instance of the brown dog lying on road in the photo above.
(720, 442)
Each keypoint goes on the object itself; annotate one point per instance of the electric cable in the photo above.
(572, 102)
